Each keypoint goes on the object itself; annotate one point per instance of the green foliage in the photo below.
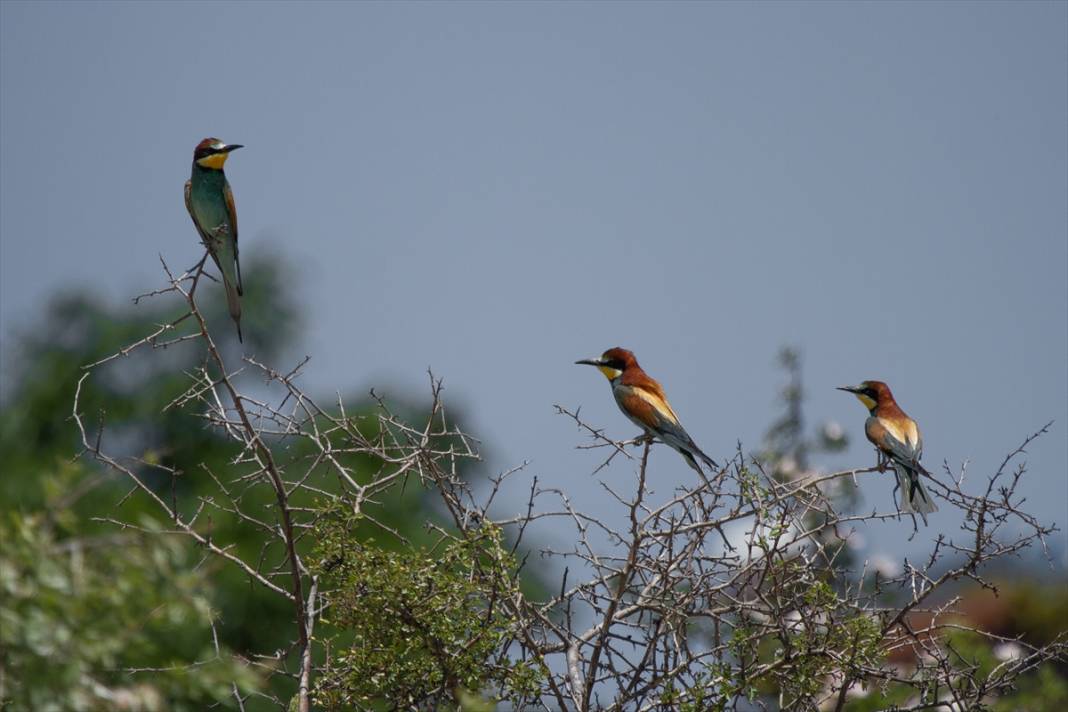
(79, 626)
(751, 486)
(127, 398)
(77, 613)
(176, 453)
(1038, 612)
(1043, 691)
(97, 616)
(428, 626)
(36, 431)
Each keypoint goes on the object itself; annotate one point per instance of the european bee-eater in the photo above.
(896, 436)
(211, 205)
(642, 400)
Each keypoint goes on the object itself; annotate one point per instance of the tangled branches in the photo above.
(737, 592)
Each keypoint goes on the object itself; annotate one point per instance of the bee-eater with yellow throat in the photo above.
(211, 205)
(897, 438)
(642, 400)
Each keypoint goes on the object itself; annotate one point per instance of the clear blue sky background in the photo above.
(495, 190)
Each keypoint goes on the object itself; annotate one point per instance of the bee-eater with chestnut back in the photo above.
(897, 437)
(642, 400)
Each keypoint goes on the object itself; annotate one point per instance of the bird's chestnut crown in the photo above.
(869, 392)
(212, 153)
(612, 362)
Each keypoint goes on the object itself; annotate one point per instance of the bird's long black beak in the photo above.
(847, 389)
(231, 147)
(590, 362)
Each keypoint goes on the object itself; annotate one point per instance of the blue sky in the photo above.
(496, 190)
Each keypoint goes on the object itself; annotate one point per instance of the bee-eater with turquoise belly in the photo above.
(211, 205)
(897, 438)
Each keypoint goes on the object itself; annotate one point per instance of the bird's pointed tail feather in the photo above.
(708, 460)
(688, 456)
(914, 496)
(685, 445)
(233, 301)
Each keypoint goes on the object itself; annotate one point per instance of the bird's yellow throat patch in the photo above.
(868, 402)
(215, 160)
(610, 373)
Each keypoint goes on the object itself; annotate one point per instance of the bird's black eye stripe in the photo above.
(614, 363)
(208, 151)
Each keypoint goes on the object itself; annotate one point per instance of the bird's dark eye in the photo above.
(615, 363)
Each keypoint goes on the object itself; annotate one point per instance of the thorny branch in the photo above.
(258, 427)
(736, 591)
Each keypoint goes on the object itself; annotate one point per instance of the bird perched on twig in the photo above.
(642, 400)
(210, 203)
(897, 437)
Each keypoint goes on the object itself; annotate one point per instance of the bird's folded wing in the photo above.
(892, 440)
(231, 210)
(189, 207)
(646, 407)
